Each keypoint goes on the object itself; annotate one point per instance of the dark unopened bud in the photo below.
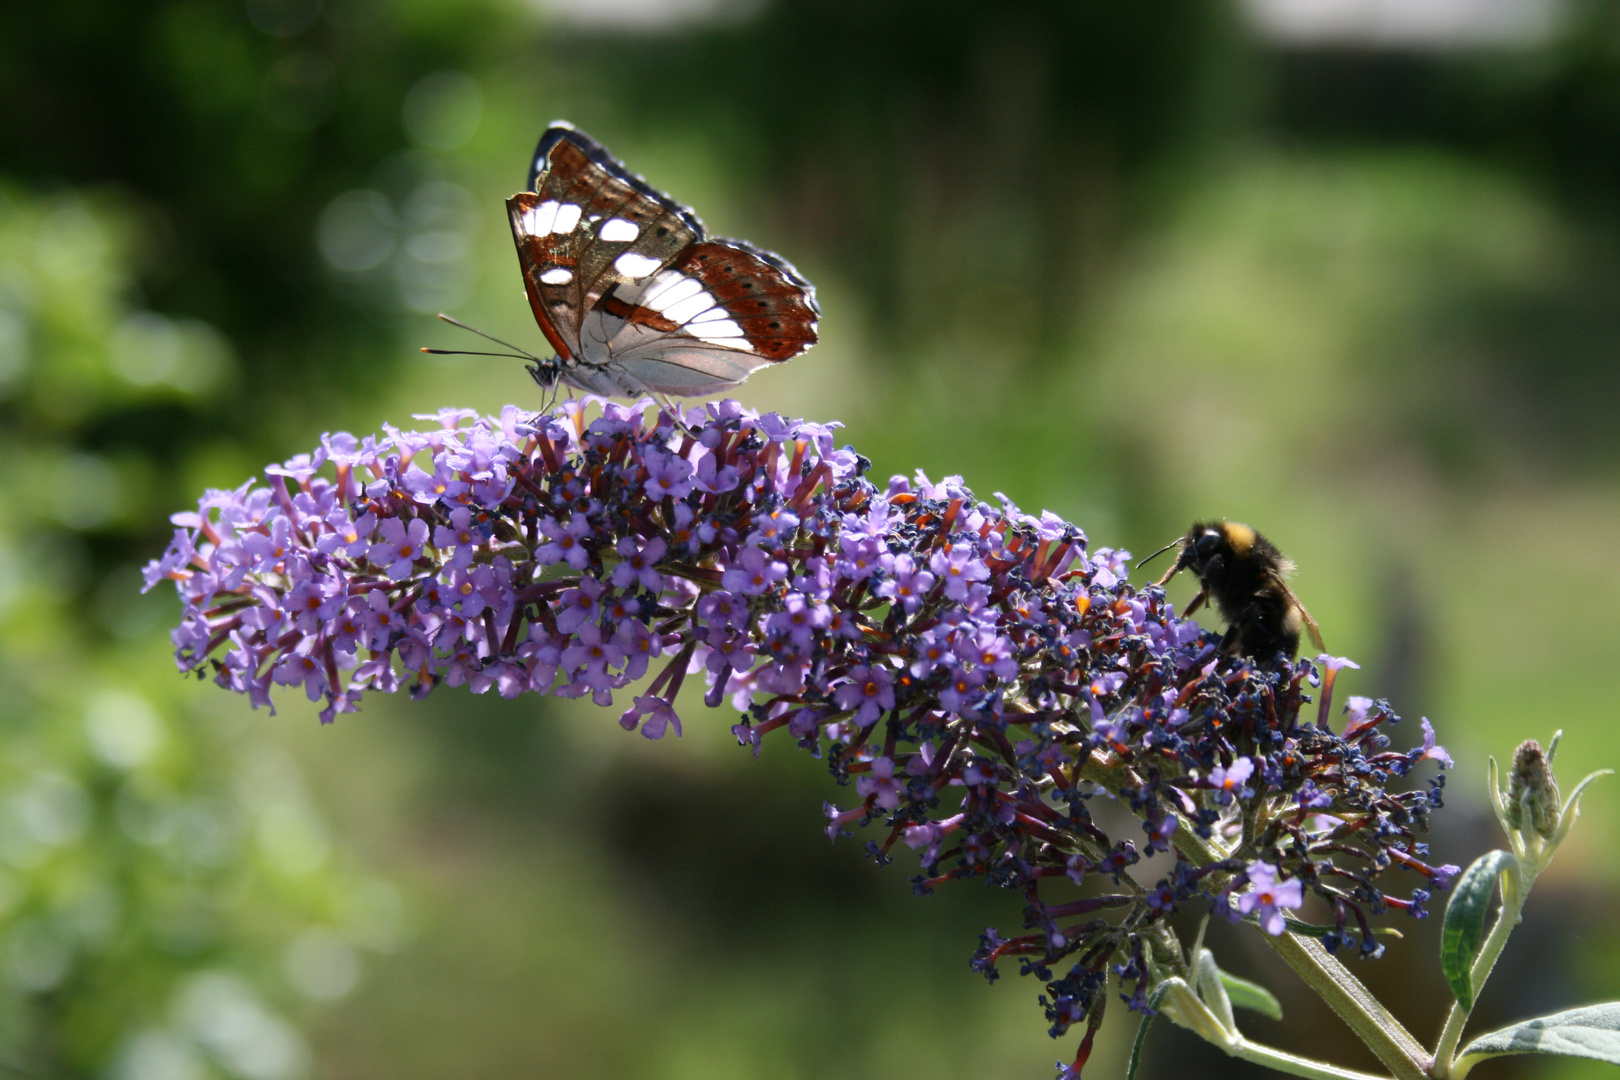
(1532, 795)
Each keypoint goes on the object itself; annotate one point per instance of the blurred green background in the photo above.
(1347, 270)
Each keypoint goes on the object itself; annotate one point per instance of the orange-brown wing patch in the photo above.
(761, 292)
(635, 313)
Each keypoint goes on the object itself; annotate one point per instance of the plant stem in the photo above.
(1384, 1035)
(1283, 1061)
(1186, 1008)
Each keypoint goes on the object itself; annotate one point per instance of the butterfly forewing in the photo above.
(631, 295)
(548, 273)
(586, 215)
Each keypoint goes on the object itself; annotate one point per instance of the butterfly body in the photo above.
(631, 292)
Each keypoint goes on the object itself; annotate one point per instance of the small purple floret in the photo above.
(1267, 898)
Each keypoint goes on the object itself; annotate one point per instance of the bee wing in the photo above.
(1310, 623)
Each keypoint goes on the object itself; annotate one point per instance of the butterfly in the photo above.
(632, 293)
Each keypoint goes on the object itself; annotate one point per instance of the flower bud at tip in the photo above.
(1532, 794)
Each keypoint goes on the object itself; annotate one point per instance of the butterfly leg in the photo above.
(547, 375)
(675, 411)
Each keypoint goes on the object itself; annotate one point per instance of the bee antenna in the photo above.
(1156, 554)
(489, 337)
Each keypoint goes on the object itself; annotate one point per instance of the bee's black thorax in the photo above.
(1243, 574)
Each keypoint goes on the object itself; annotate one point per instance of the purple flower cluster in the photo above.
(975, 673)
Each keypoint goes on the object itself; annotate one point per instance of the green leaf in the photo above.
(1142, 1029)
(1464, 926)
(1318, 930)
(1592, 1032)
(1252, 996)
(1212, 993)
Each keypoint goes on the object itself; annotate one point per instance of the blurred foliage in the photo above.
(171, 900)
(1124, 261)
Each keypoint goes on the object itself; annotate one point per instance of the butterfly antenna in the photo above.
(468, 352)
(488, 337)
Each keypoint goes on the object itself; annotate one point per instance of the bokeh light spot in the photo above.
(124, 730)
(443, 109)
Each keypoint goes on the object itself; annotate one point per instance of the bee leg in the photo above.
(1195, 603)
(1232, 643)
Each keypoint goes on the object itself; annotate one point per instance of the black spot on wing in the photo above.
(771, 258)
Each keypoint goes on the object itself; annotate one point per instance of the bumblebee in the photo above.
(1247, 578)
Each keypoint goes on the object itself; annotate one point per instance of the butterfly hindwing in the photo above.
(719, 294)
(766, 298)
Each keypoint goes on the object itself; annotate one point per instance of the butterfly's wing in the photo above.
(629, 292)
(583, 214)
(703, 323)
